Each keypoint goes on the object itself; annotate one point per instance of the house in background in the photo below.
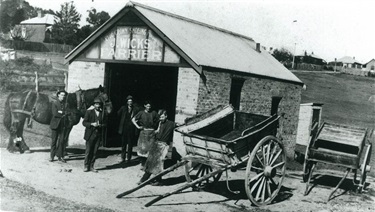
(370, 65)
(38, 29)
(349, 62)
(309, 62)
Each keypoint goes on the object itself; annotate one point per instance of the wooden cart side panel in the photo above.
(246, 144)
(334, 157)
(205, 120)
(341, 138)
(208, 149)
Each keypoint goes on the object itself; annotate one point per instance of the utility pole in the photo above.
(294, 55)
(295, 44)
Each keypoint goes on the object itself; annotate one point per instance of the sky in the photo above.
(328, 28)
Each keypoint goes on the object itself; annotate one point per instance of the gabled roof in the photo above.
(310, 55)
(200, 44)
(47, 19)
(370, 61)
(348, 60)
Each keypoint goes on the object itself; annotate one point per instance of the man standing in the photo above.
(159, 149)
(93, 121)
(58, 126)
(127, 129)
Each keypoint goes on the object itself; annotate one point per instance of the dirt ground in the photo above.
(32, 183)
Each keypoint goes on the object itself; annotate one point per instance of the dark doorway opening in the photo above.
(157, 84)
(235, 92)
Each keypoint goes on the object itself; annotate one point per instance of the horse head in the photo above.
(107, 104)
(85, 99)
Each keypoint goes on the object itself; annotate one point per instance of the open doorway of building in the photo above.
(157, 84)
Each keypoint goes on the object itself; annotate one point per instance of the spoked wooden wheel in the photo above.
(265, 171)
(196, 170)
(307, 166)
(365, 167)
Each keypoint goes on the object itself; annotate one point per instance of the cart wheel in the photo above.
(194, 171)
(365, 167)
(306, 165)
(265, 171)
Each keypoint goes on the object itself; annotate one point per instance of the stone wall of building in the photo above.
(85, 75)
(256, 97)
(186, 102)
(187, 94)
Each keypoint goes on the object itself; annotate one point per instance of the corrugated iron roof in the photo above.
(210, 46)
(205, 45)
(47, 19)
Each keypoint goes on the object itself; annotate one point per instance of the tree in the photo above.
(66, 24)
(13, 13)
(10, 14)
(96, 19)
(284, 56)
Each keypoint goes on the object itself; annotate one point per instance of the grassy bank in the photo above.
(347, 99)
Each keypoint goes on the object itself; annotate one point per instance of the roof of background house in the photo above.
(348, 59)
(204, 44)
(370, 61)
(310, 55)
(47, 19)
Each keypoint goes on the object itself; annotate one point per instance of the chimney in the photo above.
(353, 58)
(39, 13)
(258, 47)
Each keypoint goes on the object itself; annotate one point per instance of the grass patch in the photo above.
(346, 98)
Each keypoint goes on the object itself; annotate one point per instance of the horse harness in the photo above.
(31, 113)
(80, 103)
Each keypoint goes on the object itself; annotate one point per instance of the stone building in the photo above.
(183, 65)
(38, 29)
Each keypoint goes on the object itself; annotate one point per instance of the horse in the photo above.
(31, 105)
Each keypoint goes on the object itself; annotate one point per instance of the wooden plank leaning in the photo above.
(166, 171)
(190, 184)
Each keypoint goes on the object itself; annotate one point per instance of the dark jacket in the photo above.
(125, 122)
(90, 117)
(58, 112)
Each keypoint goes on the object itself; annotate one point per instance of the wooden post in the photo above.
(36, 82)
(66, 81)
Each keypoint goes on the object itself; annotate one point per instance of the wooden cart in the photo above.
(338, 145)
(224, 139)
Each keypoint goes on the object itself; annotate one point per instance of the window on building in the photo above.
(275, 104)
(372, 67)
(235, 92)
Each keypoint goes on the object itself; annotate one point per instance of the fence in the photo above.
(39, 80)
(37, 46)
(310, 67)
(355, 71)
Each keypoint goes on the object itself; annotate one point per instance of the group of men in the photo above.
(152, 132)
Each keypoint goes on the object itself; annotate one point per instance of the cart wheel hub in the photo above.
(269, 171)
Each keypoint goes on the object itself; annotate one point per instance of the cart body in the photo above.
(226, 137)
(339, 145)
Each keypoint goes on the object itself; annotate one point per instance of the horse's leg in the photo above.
(22, 144)
(13, 126)
(12, 147)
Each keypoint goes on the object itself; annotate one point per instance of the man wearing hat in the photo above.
(93, 121)
(126, 128)
(58, 126)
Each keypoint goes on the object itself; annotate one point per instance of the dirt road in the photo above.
(47, 185)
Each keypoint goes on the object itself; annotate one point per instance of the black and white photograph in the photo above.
(177, 105)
